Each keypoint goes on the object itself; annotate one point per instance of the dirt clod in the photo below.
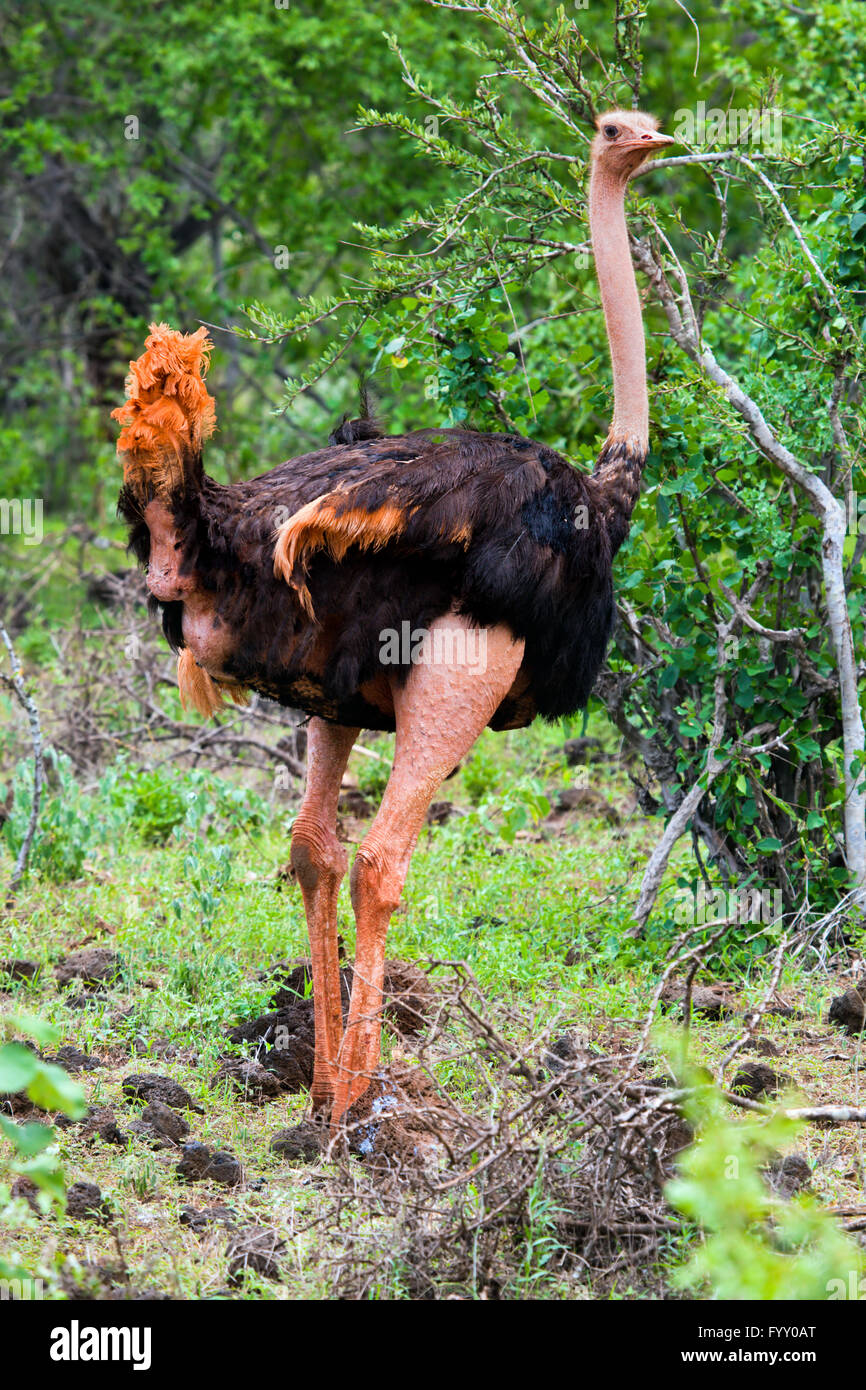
(755, 1079)
(285, 1038)
(248, 1077)
(151, 1086)
(302, 1142)
(765, 1047)
(27, 1188)
(160, 1123)
(580, 751)
(256, 1249)
(708, 1001)
(101, 1120)
(849, 1010)
(199, 1163)
(789, 1175)
(408, 996)
(675, 1136)
(95, 966)
(84, 1201)
(73, 1060)
(395, 1123)
(290, 1031)
(579, 800)
(564, 1052)
(408, 993)
(294, 981)
(353, 802)
(200, 1219)
(20, 969)
(779, 1009)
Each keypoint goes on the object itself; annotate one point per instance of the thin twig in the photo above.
(16, 683)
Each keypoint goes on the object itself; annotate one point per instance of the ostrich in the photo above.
(287, 585)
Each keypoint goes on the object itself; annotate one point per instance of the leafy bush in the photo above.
(480, 773)
(49, 1087)
(207, 874)
(156, 804)
(754, 1246)
(71, 822)
(159, 801)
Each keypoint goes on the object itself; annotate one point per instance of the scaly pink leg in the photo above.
(320, 862)
(439, 713)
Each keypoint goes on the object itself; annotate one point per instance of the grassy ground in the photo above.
(178, 872)
(541, 920)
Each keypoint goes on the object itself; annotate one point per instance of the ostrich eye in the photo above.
(611, 132)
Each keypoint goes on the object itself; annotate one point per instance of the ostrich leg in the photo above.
(319, 862)
(439, 713)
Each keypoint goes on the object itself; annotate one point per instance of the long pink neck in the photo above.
(621, 306)
(618, 471)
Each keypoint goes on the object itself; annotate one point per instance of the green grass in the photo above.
(177, 871)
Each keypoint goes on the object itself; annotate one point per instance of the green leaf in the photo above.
(28, 1139)
(769, 845)
(39, 1029)
(52, 1089)
(18, 1067)
(45, 1171)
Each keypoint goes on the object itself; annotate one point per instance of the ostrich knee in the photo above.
(317, 857)
(376, 883)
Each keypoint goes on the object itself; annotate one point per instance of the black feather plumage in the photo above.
(536, 549)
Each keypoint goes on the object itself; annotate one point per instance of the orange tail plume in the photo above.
(167, 413)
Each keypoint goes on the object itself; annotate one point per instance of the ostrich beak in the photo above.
(651, 142)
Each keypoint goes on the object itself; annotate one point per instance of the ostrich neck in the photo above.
(622, 313)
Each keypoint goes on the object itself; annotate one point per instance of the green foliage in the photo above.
(72, 823)
(754, 1245)
(157, 803)
(226, 168)
(373, 773)
(540, 1237)
(161, 802)
(473, 299)
(502, 810)
(480, 772)
(207, 873)
(33, 1155)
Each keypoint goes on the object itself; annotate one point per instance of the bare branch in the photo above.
(16, 683)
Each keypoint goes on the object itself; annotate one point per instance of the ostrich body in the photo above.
(287, 584)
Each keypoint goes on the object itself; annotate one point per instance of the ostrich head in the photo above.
(625, 140)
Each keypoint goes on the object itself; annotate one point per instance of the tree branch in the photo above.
(16, 684)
